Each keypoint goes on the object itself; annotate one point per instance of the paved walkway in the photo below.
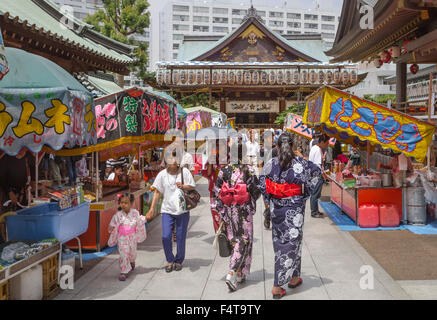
(330, 267)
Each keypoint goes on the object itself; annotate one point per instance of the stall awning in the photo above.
(357, 121)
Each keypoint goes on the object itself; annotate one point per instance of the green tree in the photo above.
(122, 20)
(197, 100)
(381, 98)
(280, 119)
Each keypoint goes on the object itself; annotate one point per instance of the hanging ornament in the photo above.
(414, 68)
(386, 56)
(329, 77)
(215, 77)
(199, 77)
(183, 77)
(378, 63)
(175, 77)
(160, 77)
(313, 77)
(288, 77)
(395, 52)
(191, 77)
(224, 77)
(354, 77)
(336, 76)
(240, 77)
(255, 77)
(272, 77)
(345, 77)
(247, 77)
(167, 78)
(231, 77)
(304, 77)
(321, 77)
(280, 77)
(264, 77)
(207, 76)
(296, 77)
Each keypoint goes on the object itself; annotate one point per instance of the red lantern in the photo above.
(404, 49)
(414, 68)
(386, 56)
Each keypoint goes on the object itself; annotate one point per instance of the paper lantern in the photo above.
(175, 77)
(255, 77)
(329, 77)
(288, 77)
(207, 76)
(280, 77)
(345, 77)
(247, 77)
(199, 77)
(296, 76)
(386, 56)
(240, 77)
(304, 77)
(378, 63)
(272, 77)
(354, 77)
(336, 76)
(395, 52)
(191, 77)
(414, 68)
(183, 77)
(231, 77)
(215, 77)
(160, 77)
(264, 77)
(321, 77)
(167, 78)
(223, 76)
(313, 77)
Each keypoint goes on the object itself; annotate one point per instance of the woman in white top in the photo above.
(169, 184)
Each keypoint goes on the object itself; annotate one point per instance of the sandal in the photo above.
(169, 268)
(292, 286)
(133, 266)
(279, 295)
(122, 277)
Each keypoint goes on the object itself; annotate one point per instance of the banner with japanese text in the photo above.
(4, 67)
(357, 121)
(198, 120)
(55, 117)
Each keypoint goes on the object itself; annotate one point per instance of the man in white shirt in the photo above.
(253, 149)
(316, 156)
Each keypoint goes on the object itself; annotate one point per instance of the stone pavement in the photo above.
(330, 267)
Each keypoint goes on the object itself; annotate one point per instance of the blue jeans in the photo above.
(181, 221)
(315, 195)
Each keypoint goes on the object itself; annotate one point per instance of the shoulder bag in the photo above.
(222, 243)
(192, 197)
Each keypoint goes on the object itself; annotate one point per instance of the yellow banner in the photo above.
(356, 121)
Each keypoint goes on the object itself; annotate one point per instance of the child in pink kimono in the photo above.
(127, 228)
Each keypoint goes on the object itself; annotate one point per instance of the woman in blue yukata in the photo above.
(287, 182)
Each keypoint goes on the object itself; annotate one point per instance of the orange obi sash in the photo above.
(283, 190)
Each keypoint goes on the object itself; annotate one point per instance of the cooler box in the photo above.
(46, 221)
(388, 215)
(368, 216)
(28, 285)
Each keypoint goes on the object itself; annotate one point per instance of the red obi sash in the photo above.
(283, 190)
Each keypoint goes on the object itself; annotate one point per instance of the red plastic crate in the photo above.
(369, 216)
(388, 215)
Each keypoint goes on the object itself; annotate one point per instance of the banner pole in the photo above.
(429, 118)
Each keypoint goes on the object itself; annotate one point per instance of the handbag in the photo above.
(192, 197)
(222, 243)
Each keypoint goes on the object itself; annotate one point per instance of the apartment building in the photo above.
(180, 18)
(81, 8)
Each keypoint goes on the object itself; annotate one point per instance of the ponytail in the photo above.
(286, 154)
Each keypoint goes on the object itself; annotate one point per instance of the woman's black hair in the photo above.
(244, 167)
(124, 195)
(286, 154)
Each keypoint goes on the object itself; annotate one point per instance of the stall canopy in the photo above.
(129, 119)
(294, 123)
(357, 121)
(42, 104)
(198, 118)
(218, 119)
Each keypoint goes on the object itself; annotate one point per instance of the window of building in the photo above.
(220, 20)
(294, 16)
(328, 35)
(220, 29)
(236, 21)
(180, 17)
(311, 32)
(220, 10)
(181, 8)
(261, 13)
(276, 23)
(293, 32)
(201, 28)
(328, 26)
(200, 19)
(175, 46)
(280, 31)
(294, 24)
(181, 27)
(178, 37)
(175, 55)
(328, 18)
(276, 14)
(200, 9)
(239, 12)
(311, 26)
(311, 17)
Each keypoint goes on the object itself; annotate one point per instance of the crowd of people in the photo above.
(283, 175)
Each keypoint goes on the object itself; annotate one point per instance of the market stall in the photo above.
(42, 108)
(366, 194)
(128, 123)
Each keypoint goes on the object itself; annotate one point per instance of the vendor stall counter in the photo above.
(350, 200)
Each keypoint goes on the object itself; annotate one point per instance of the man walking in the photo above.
(316, 156)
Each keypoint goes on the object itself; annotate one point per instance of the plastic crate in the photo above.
(46, 221)
(4, 291)
(369, 216)
(388, 215)
(50, 277)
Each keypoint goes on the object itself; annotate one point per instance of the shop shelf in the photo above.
(4, 291)
(47, 221)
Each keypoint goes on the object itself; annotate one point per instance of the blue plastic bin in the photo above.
(46, 221)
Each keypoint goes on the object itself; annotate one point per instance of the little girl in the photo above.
(127, 228)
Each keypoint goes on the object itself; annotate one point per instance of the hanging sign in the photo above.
(252, 106)
(4, 67)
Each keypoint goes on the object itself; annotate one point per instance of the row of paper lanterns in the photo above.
(253, 77)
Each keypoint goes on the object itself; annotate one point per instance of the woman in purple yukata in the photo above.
(281, 183)
(237, 214)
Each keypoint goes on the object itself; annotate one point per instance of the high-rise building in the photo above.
(82, 8)
(187, 17)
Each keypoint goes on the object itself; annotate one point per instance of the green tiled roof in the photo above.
(105, 86)
(194, 109)
(35, 15)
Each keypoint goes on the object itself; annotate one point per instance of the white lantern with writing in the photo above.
(264, 77)
(255, 77)
(167, 78)
(313, 77)
(207, 76)
(231, 77)
(280, 77)
(183, 76)
(247, 77)
(272, 77)
(329, 77)
(175, 76)
(224, 76)
(345, 77)
(240, 77)
(304, 77)
(296, 76)
(199, 77)
(337, 77)
(160, 76)
(354, 77)
(191, 77)
(321, 77)
(288, 77)
(215, 77)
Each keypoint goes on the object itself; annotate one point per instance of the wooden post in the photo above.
(36, 174)
(401, 85)
(431, 146)
(97, 176)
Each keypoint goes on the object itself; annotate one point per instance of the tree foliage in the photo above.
(197, 100)
(381, 98)
(122, 20)
(280, 119)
